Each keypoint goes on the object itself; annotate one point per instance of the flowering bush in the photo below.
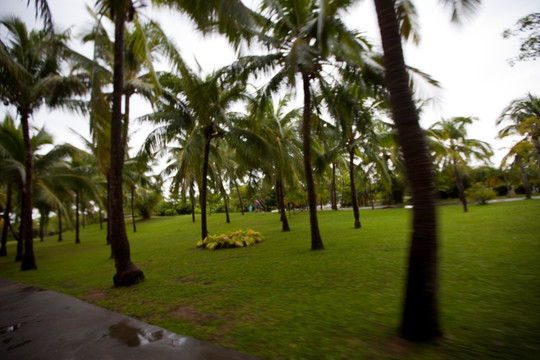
(239, 238)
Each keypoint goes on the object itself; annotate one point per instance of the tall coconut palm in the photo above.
(213, 14)
(29, 77)
(198, 110)
(127, 273)
(303, 38)
(420, 320)
(524, 117)
(353, 112)
(454, 147)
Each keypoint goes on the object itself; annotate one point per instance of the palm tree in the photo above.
(420, 319)
(521, 153)
(134, 174)
(12, 166)
(123, 11)
(30, 75)
(276, 125)
(353, 111)
(197, 110)
(302, 39)
(452, 145)
(524, 115)
(43, 11)
(12, 157)
(127, 273)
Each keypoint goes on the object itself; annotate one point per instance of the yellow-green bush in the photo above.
(238, 238)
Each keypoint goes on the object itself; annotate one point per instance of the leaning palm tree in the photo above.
(29, 77)
(420, 320)
(524, 117)
(451, 145)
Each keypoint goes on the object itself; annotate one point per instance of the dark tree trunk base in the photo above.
(130, 275)
(28, 265)
(357, 224)
(3, 251)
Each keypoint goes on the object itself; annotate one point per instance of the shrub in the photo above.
(239, 238)
(183, 209)
(480, 193)
(168, 212)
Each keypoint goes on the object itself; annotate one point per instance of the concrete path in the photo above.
(44, 324)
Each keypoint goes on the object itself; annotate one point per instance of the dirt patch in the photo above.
(95, 296)
(189, 313)
(392, 346)
(184, 279)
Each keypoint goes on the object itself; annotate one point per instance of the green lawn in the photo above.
(278, 300)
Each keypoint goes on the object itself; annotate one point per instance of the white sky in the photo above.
(469, 61)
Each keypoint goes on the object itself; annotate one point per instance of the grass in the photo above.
(277, 300)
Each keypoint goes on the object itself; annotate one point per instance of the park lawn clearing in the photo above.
(278, 300)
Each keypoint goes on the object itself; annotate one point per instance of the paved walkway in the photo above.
(44, 324)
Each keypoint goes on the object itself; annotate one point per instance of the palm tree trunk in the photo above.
(524, 177)
(316, 241)
(28, 258)
(333, 197)
(59, 225)
(77, 202)
(18, 235)
(109, 209)
(100, 219)
(354, 195)
(133, 207)
(535, 137)
(41, 226)
(226, 201)
(5, 228)
(239, 197)
(83, 211)
(125, 127)
(192, 199)
(204, 226)
(461, 188)
(281, 205)
(420, 318)
(126, 272)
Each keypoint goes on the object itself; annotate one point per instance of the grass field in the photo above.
(278, 300)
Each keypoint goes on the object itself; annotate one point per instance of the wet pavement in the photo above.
(43, 324)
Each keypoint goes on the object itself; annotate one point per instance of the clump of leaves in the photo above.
(238, 238)
(480, 193)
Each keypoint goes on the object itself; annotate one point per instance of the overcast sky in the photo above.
(469, 61)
